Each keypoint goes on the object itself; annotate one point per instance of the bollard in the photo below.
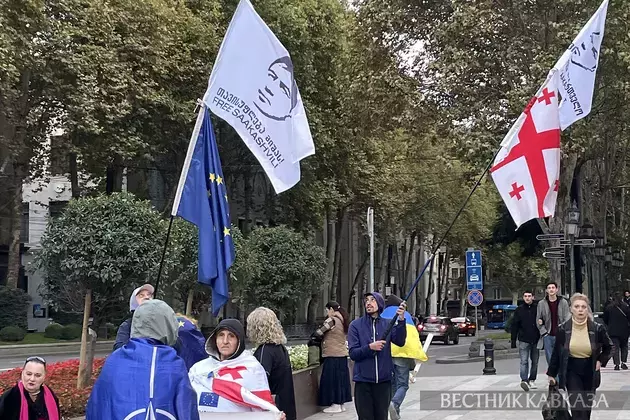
(489, 357)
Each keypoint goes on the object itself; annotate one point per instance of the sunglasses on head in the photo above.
(36, 359)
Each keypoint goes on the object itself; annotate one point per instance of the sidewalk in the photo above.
(411, 408)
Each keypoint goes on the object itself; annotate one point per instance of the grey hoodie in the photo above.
(155, 319)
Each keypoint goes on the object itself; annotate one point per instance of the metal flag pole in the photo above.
(515, 127)
(439, 244)
(168, 235)
(370, 222)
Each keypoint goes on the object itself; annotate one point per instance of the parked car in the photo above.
(465, 325)
(442, 329)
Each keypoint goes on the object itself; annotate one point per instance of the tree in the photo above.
(290, 264)
(94, 254)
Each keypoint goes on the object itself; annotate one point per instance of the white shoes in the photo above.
(335, 408)
(532, 385)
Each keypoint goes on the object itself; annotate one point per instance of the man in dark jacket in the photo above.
(138, 297)
(525, 329)
(372, 357)
(616, 316)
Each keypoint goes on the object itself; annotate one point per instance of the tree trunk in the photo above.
(430, 290)
(74, 175)
(382, 274)
(248, 182)
(189, 302)
(83, 379)
(357, 277)
(331, 246)
(334, 293)
(14, 263)
(313, 304)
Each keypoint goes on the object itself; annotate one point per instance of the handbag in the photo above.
(557, 406)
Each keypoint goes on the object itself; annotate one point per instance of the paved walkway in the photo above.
(417, 396)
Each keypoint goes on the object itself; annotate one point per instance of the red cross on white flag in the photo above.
(527, 168)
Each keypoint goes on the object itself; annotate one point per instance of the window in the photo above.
(454, 273)
(55, 208)
(241, 224)
(25, 223)
(497, 293)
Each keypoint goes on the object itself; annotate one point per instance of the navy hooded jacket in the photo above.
(369, 365)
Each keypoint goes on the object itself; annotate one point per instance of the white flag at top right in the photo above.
(577, 68)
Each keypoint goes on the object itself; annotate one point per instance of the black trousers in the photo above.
(621, 345)
(372, 400)
(580, 387)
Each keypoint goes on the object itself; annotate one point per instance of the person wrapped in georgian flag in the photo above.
(231, 380)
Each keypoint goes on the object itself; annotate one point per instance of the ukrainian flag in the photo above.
(412, 348)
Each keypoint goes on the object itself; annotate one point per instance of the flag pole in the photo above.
(168, 234)
(515, 126)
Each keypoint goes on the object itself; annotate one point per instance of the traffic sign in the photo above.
(475, 297)
(554, 249)
(553, 255)
(474, 272)
(550, 236)
(579, 242)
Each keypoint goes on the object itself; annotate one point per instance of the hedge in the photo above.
(14, 304)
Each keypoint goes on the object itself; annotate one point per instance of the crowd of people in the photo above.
(576, 345)
(163, 365)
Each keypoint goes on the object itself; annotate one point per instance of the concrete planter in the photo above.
(306, 385)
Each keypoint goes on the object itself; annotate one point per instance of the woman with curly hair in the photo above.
(334, 388)
(264, 331)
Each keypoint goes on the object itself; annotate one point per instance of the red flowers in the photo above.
(62, 379)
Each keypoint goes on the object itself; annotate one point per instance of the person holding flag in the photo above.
(404, 357)
(372, 356)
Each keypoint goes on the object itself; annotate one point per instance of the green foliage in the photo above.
(513, 270)
(282, 273)
(14, 304)
(12, 333)
(107, 244)
(53, 330)
(298, 355)
(71, 332)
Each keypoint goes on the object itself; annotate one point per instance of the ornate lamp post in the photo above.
(572, 229)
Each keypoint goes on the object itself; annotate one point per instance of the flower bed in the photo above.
(62, 379)
(298, 356)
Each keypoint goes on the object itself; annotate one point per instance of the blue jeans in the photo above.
(549, 342)
(400, 385)
(528, 351)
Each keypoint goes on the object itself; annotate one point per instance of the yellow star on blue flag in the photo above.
(202, 200)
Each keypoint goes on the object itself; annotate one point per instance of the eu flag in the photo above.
(202, 200)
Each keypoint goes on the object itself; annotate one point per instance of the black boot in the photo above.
(624, 366)
(616, 367)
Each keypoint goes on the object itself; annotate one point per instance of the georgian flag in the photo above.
(526, 170)
(233, 386)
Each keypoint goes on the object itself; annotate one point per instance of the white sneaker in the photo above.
(343, 408)
(532, 385)
(335, 408)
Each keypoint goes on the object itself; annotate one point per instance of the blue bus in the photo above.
(499, 315)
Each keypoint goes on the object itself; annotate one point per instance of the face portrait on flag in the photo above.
(278, 97)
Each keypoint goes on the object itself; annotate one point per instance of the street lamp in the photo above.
(572, 229)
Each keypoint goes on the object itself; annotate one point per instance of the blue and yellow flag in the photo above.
(201, 199)
(413, 347)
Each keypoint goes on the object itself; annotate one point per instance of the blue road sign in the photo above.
(475, 297)
(474, 272)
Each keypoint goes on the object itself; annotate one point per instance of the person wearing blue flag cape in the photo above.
(145, 379)
(191, 344)
(404, 357)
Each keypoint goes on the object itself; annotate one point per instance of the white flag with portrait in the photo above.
(577, 69)
(252, 87)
